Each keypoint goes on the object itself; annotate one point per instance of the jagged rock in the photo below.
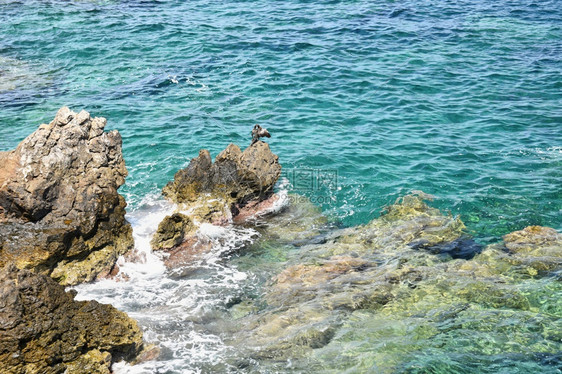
(171, 231)
(60, 212)
(44, 330)
(235, 176)
(237, 183)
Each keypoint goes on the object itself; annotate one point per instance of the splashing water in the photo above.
(175, 307)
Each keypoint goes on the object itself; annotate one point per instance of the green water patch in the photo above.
(382, 298)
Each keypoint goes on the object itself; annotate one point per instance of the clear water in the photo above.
(461, 100)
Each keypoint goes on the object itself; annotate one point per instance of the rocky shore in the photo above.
(44, 330)
(62, 219)
(237, 187)
(60, 212)
(409, 280)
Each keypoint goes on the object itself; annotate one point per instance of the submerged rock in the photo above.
(360, 268)
(44, 330)
(536, 244)
(381, 292)
(536, 250)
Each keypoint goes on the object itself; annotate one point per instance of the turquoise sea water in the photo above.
(461, 100)
(365, 102)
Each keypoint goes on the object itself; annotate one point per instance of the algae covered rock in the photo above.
(171, 231)
(44, 330)
(60, 212)
(359, 268)
(539, 246)
(536, 249)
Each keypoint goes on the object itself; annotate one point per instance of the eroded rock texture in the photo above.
(44, 330)
(235, 175)
(237, 184)
(60, 212)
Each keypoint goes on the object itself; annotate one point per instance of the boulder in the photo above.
(236, 184)
(235, 177)
(171, 231)
(44, 330)
(60, 212)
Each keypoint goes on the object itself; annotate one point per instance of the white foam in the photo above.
(174, 307)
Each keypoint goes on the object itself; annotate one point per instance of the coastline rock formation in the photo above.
(60, 212)
(237, 184)
(235, 177)
(44, 330)
(412, 269)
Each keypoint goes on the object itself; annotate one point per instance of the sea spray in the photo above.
(175, 307)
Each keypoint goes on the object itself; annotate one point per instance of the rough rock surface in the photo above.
(235, 176)
(172, 231)
(44, 330)
(60, 212)
(236, 184)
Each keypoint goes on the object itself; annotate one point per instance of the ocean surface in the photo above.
(366, 101)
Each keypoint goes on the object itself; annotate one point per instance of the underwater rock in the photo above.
(44, 330)
(536, 246)
(60, 212)
(341, 282)
(408, 225)
(299, 223)
(537, 240)
(371, 297)
(533, 252)
(359, 268)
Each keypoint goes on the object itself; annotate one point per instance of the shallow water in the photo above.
(365, 102)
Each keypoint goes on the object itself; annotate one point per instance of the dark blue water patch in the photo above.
(463, 248)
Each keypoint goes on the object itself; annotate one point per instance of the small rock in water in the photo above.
(235, 188)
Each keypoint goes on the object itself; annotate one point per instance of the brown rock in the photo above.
(44, 330)
(237, 183)
(171, 231)
(60, 212)
(235, 176)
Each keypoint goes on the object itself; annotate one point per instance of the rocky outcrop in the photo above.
(60, 212)
(235, 176)
(237, 184)
(44, 330)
